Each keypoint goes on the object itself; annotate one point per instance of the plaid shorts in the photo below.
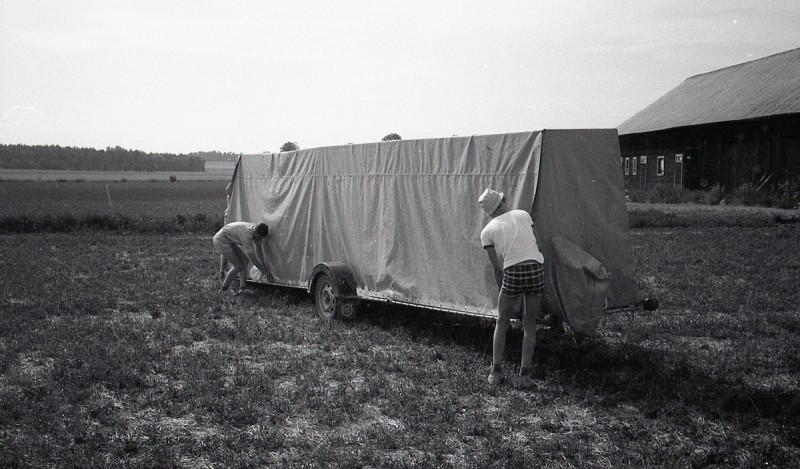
(523, 278)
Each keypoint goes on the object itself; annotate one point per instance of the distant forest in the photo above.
(91, 159)
(216, 155)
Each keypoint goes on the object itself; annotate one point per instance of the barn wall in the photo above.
(729, 154)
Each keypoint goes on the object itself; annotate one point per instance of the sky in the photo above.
(246, 76)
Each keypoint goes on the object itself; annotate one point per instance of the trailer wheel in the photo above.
(325, 300)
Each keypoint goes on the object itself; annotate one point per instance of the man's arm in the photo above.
(251, 250)
(259, 259)
(497, 266)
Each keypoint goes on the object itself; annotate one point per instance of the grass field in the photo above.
(116, 349)
(215, 171)
(156, 199)
(693, 215)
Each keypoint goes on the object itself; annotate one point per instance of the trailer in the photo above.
(398, 221)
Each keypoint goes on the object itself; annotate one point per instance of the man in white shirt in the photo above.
(518, 268)
(240, 243)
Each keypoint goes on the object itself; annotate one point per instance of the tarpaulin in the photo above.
(581, 198)
(580, 285)
(404, 214)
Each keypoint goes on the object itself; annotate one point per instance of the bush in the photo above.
(640, 196)
(668, 195)
(785, 195)
(716, 194)
(664, 194)
(788, 194)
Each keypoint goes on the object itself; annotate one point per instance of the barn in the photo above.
(732, 126)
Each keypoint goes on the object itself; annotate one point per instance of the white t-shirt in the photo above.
(512, 237)
(239, 233)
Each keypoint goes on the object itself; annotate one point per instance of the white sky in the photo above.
(249, 75)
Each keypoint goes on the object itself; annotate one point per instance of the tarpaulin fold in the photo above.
(579, 285)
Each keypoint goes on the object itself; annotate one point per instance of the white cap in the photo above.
(490, 200)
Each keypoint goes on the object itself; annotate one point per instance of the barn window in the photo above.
(634, 166)
(679, 158)
(643, 159)
(660, 166)
(627, 166)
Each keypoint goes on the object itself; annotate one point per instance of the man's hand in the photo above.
(267, 272)
(497, 266)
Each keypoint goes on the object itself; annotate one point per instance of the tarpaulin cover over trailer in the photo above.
(403, 215)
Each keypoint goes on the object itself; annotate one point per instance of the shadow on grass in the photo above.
(421, 324)
(660, 383)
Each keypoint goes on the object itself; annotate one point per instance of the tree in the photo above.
(111, 159)
(391, 136)
(290, 146)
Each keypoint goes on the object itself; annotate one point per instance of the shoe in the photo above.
(525, 380)
(496, 376)
(244, 291)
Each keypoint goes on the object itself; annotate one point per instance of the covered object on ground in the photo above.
(403, 215)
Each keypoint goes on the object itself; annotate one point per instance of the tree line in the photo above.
(216, 155)
(292, 146)
(55, 157)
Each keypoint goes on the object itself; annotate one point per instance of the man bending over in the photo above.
(518, 269)
(240, 243)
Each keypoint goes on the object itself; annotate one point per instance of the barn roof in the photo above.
(765, 87)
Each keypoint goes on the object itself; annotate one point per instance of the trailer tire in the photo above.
(326, 302)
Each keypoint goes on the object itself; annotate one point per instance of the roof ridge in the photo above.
(743, 63)
(754, 89)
